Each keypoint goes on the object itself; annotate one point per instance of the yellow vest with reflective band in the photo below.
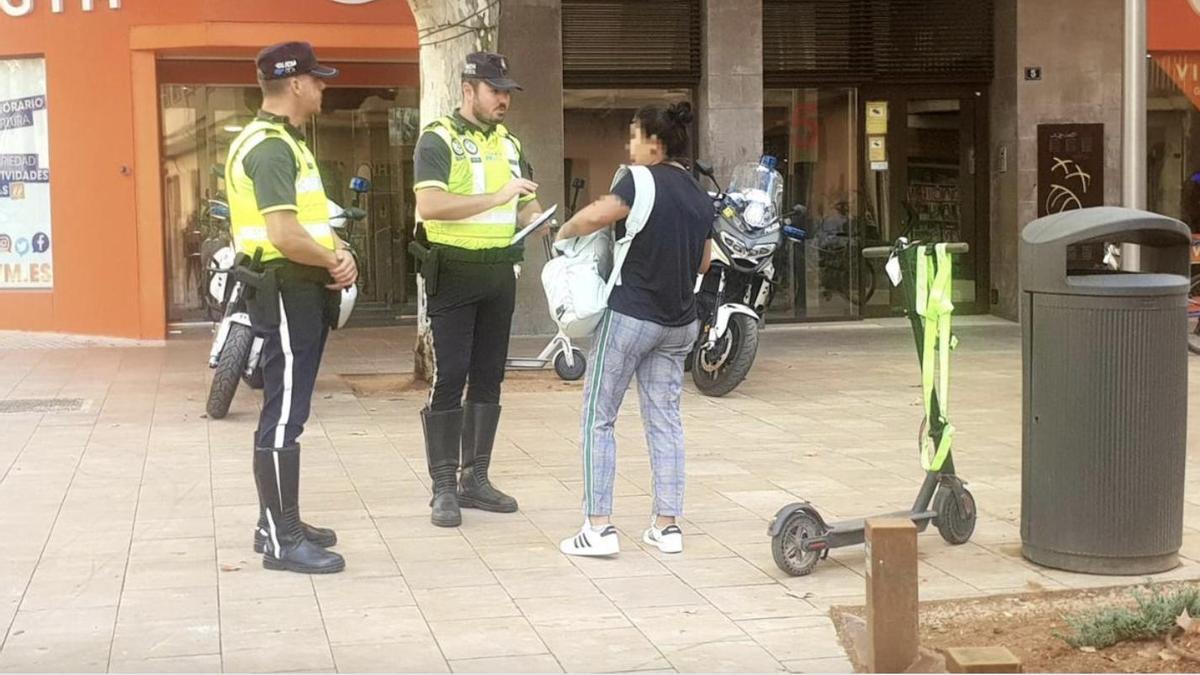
(247, 223)
(479, 164)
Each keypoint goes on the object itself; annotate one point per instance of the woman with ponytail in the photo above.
(647, 331)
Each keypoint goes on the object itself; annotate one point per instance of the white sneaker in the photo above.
(592, 542)
(668, 540)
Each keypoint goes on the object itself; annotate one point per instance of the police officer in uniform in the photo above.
(472, 188)
(280, 217)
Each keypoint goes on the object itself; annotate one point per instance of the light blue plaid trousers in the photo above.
(625, 347)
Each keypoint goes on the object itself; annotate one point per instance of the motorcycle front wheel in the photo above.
(229, 369)
(720, 369)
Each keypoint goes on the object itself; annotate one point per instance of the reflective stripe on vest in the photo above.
(479, 164)
(247, 223)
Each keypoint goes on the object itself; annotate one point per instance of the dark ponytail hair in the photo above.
(669, 124)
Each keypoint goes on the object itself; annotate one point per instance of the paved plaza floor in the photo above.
(127, 523)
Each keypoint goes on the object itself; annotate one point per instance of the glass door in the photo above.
(812, 132)
(371, 133)
(925, 178)
(363, 131)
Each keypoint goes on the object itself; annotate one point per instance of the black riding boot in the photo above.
(277, 474)
(321, 536)
(443, 431)
(475, 491)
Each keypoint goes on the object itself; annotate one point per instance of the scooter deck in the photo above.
(854, 532)
(525, 363)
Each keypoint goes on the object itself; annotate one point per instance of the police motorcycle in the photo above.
(732, 297)
(235, 279)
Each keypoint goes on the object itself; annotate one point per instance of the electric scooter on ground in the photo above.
(800, 537)
(568, 360)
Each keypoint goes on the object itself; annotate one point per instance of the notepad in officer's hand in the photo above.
(541, 219)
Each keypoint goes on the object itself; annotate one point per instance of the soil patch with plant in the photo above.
(1136, 629)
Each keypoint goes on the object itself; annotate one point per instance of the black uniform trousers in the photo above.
(291, 356)
(470, 316)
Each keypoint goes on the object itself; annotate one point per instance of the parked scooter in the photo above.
(568, 360)
(236, 349)
(733, 295)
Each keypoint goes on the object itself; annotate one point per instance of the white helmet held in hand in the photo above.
(349, 296)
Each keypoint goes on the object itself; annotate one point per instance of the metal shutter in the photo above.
(631, 42)
(877, 41)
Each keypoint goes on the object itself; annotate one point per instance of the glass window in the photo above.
(1173, 137)
(368, 132)
(812, 132)
(596, 135)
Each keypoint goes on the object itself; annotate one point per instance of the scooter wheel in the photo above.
(787, 546)
(955, 514)
(572, 372)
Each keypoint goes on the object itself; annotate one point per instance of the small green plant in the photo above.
(1152, 618)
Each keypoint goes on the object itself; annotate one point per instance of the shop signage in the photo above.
(1184, 70)
(1070, 167)
(25, 7)
(26, 240)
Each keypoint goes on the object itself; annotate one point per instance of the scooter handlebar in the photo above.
(956, 248)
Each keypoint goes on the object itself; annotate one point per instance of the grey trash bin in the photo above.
(1105, 391)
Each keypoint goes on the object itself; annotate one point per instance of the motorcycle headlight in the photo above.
(733, 244)
(754, 214)
(763, 250)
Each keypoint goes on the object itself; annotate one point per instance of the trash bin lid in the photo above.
(1128, 284)
(1045, 242)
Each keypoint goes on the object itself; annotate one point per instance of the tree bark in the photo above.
(448, 30)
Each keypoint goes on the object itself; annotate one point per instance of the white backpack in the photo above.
(580, 278)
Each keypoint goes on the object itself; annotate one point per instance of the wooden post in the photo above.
(892, 639)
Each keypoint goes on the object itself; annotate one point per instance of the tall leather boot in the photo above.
(475, 491)
(277, 475)
(443, 431)
(321, 536)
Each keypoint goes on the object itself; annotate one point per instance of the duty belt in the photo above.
(432, 256)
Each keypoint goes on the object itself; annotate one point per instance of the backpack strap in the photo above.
(639, 213)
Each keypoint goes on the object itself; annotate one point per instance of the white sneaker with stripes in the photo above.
(668, 540)
(592, 542)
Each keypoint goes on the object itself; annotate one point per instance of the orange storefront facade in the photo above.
(1173, 109)
(139, 98)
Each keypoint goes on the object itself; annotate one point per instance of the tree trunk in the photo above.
(448, 30)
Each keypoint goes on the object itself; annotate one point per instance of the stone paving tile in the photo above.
(484, 638)
(835, 664)
(543, 582)
(741, 603)
(734, 656)
(469, 602)
(422, 656)
(136, 639)
(204, 663)
(684, 626)
(280, 651)
(638, 592)
(375, 625)
(339, 593)
(583, 612)
(795, 638)
(541, 663)
(604, 651)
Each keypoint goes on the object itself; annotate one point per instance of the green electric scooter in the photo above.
(800, 537)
